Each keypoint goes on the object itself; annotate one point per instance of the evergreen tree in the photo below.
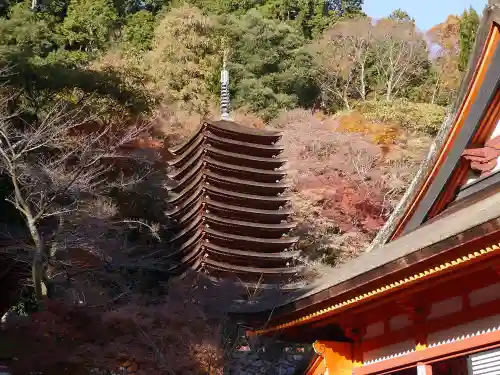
(138, 31)
(28, 31)
(310, 16)
(469, 24)
(88, 24)
(269, 66)
(184, 58)
(400, 15)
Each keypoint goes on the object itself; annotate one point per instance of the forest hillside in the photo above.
(93, 92)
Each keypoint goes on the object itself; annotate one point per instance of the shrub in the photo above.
(139, 30)
(379, 133)
(345, 184)
(175, 334)
(338, 190)
(420, 117)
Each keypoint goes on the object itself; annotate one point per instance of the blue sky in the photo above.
(427, 13)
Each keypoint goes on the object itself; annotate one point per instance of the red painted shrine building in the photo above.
(426, 298)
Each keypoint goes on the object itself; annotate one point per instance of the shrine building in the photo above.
(426, 298)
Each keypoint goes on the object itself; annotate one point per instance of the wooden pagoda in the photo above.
(426, 298)
(230, 205)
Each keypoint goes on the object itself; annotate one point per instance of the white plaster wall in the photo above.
(374, 330)
(487, 294)
(492, 322)
(438, 309)
(445, 307)
(399, 321)
(389, 350)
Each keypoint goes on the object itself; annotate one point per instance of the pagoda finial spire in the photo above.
(224, 89)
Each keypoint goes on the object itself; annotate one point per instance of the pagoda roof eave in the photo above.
(238, 181)
(185, 157)
(195, 208)
(187, 259)
(278, 173)
(194, 240)
(261, 159)
(186, 230)
(195, 191)
(253, 270)
(229, 127)
(258, 226)
(264, 241)
(284, 198)
(192, 191)
(198, 164)
(275, 148)
(250, 254)
(196, 140)
(180, 158)
(280, 213)
(195, 172)
(188, 163)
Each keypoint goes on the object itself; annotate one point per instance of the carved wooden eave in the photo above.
(484, 159)
(229, 200)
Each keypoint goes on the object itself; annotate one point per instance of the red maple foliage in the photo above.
(345, 184)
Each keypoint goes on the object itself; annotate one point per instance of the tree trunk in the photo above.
(37, 268)
(388, 96)
(37, 275)
(388, 93)
(389, 86)
(346, 102)
(363, 83)
(436, 88)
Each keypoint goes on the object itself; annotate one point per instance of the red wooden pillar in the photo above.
(355, 333)
(417, 313)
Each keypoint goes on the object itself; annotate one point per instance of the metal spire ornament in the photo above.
(224, 90)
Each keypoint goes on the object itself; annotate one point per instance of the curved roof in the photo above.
(233, 131)
(425, 197)
(410, 240)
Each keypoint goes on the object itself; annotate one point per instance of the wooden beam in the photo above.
(476, 276)
(478, 312)
(438, 353)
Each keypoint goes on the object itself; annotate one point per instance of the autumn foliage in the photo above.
(162, 60)
(170, 335)
(348, 174)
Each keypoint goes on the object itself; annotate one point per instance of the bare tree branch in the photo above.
(62, 167)
(343, 55)
(400, 54)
